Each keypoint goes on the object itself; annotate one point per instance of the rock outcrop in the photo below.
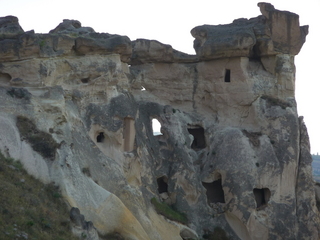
(275, 32)
(232, 160)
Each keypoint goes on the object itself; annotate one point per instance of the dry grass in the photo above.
(30, 209)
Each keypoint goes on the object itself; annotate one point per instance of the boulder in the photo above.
(104, 43)
(9, 26)
(71, 26)
(82, 228)
(232, 40)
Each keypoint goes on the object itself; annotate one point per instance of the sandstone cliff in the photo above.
(233, 155)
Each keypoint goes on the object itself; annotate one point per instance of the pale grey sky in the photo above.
(170, 22)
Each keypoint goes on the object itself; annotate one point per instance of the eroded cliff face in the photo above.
(233, 155)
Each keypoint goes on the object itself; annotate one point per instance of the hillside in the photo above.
(30, 209)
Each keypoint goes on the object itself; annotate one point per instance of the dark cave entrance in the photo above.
(162, 184)
(227, 75)
(262, 196)
(199, 141)
(100, 137)
(215, 193)
(85, 80)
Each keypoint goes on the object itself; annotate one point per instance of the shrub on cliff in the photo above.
(168, 212)
(40, 141)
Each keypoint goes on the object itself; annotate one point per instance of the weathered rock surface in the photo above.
(232, 157)
(71, 26)
(104, 43)
(9, 26)
(69, 38)
(270, 34)
(151, 51)
(81, 227)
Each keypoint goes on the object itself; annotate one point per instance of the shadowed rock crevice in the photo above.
(262, 197)
(19, 93)
(253, 137)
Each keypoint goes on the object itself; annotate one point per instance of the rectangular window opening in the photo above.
(199, 141)
(215, 193)
(227, 75)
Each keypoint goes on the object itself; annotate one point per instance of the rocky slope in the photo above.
(233, 157)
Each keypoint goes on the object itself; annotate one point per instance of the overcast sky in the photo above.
(170, 22)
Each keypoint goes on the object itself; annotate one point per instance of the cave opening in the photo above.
(100, 137)
(162, 184)
(5, 77)
(129, 134)
(227, 75)
(215, 193)
(199, 141)
(85, 80)
(262, 196)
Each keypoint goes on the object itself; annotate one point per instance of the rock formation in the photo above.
(232, 157)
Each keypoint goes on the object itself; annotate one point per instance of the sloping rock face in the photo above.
(233, 155)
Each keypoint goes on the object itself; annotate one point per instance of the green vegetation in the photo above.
(42, 43)
(167, 211)
(30, 209)
(73, 34)
(40, 141)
